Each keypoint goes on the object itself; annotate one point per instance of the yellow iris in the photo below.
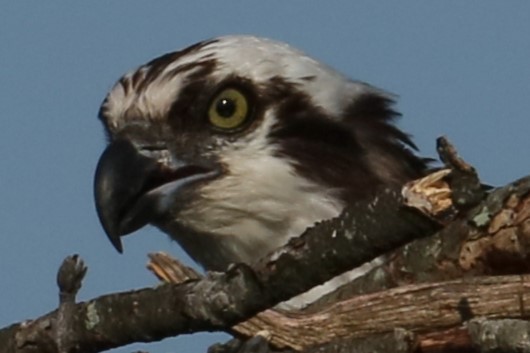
(229, 110)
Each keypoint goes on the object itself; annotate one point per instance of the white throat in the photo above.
(261, 203)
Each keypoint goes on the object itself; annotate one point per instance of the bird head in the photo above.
(233, 145)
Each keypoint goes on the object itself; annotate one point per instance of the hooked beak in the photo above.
(131, 189)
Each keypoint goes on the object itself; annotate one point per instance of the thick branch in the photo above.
(492, 238)
(418, 308)
(221, 300)
(494, 246)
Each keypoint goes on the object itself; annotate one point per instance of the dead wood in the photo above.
(220, 300)
(484, 239)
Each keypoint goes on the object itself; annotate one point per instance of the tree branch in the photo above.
(221, 300)
(441, 257)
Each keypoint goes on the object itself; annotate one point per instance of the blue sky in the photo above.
(461, 69)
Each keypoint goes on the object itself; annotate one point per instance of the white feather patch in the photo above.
(262, 202)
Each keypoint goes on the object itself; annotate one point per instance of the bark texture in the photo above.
(220, 300)
(455, 282)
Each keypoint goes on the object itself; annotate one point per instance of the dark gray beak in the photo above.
(132, 188)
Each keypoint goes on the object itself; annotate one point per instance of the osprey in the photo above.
(234, 145)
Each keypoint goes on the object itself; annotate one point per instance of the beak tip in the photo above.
(118, 246)
(119, 178)
(116, 242)
(110, 229)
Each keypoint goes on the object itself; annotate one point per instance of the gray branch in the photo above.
(220, 300)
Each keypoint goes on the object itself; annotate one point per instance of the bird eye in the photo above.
(229, 110)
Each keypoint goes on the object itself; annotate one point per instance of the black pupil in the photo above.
(225, 107)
